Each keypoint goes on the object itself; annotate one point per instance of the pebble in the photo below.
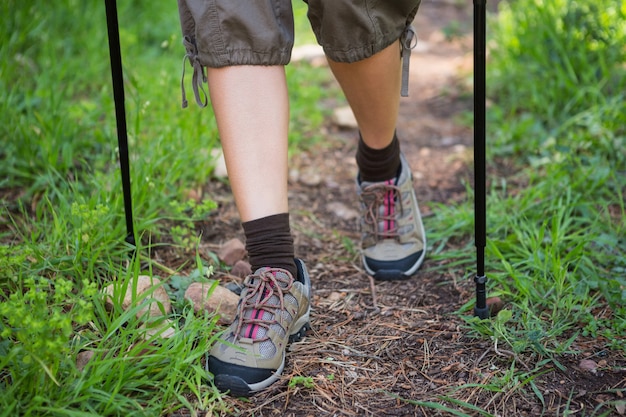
(588, 365)
(221, 301)
(232, 251)
(241, 269)
(219, 169)
(343, 117)
(159, 305)
(342, 211)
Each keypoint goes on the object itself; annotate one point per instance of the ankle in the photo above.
(269, 243)
(376, 165)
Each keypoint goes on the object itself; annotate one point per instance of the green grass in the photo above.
(556, 227)
(61, 234)
(561, 244)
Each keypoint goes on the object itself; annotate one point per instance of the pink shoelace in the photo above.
(382, 195)
(260, 288)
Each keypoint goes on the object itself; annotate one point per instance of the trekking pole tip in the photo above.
(481, 309)
(130, 239)
(493, 306)
(482, 312)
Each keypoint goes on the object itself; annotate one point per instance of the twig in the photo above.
(377, 353)
(508, 353)
(374, 296)
(500, 352)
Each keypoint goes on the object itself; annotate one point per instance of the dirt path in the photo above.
(375, 344)
(384, 337)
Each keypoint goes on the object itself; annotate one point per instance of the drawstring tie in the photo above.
(408, 41)
(198, 78)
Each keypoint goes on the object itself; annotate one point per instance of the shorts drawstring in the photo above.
(408, 40)
(198, 78)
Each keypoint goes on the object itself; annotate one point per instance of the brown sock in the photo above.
(377, 165)
(269, 243)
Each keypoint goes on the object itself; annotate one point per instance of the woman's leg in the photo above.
(252, 112)
(372, 88)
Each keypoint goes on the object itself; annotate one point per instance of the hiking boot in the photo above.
(393, 242)
(273, 310)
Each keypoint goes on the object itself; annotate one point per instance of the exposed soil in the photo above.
(381, 348)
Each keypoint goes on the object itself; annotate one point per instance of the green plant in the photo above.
(304, 381)
(556, 73)
(36, 326)
(454, 29)
(186, 213)
(556, 220)
(12, 260)
(449, 410)
(573, 48)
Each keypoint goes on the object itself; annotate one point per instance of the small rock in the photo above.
(221, 300)
(294, 176)
(310, 177)
(422, 47)
(459, 148)
(588, 365)
(448, 141)
(359, 315)
(83, 358)
(194, 194)
(351, 374)
(231, 252)
(144, 287)
(344, 118)
(342, 211)
(219, 170)
(495, 305)
(437, 36)
(241, 269)
(330, 183)
(335, 296)
(164, 328)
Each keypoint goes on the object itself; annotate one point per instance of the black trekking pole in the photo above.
(120, 112)
(481, 309)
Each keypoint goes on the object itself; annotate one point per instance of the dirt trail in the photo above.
(370, 338)
(375, 344)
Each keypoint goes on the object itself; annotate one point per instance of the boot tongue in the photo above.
(382, 198)
(262, 306)
(281, 277)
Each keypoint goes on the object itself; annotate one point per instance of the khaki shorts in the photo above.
(219, 33)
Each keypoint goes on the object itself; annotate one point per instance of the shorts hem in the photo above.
(352, 55)
(245, 57)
